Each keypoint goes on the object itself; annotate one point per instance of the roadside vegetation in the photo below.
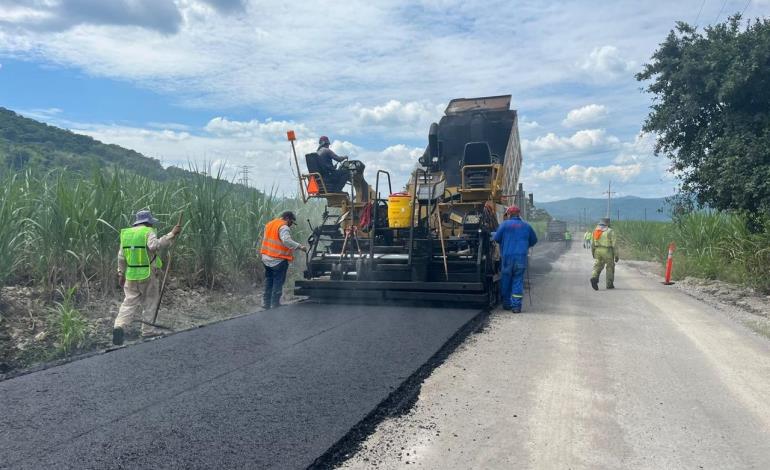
(59, 235)
(709, 245)
(58, 229)
(711, 115)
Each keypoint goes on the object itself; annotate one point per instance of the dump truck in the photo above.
(555, 230)
(432, 241)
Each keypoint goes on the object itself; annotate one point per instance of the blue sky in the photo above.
(222, 80)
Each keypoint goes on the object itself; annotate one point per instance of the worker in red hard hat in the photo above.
(515, 237)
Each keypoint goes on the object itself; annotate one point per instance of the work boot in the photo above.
(595, 283)
(610, 286)
(117, 336)
(516, 309)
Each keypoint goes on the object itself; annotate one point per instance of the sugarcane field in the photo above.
(384, 235)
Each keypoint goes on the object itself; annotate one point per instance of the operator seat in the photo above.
(477, 153)
(314, 166)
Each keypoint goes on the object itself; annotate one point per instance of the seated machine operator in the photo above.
(334, 178)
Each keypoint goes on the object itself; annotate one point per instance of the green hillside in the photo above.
(26, 143)
(629, 208)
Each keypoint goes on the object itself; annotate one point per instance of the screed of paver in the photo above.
(638, 377)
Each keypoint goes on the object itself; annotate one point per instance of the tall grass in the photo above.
(61, 229)
(11, 229)
(709, 244)
(70, 326)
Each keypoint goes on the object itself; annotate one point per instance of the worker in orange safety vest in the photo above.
(277, 252)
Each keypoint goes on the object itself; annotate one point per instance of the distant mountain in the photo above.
(26, 143)
(628, 207)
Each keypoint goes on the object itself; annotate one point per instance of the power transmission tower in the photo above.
(609, 194)
(244, 175)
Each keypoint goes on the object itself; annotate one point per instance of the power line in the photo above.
(720, 11)
(699, 12)
(746, 7)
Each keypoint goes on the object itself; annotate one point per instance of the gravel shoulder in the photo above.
(742, 304)
(641, 377)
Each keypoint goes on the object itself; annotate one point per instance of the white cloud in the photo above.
(395, 112)
(606, 63)
(590, 174)
(640, 149)
(421, 54)
(261, 145)
(588, 114)
(407, 119)
(268, 129)
(527, 125)
(587, 139)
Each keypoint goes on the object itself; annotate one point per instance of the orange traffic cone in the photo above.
(312, 186)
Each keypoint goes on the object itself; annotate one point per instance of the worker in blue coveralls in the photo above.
(515, 238)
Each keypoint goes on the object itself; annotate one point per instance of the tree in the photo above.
(711, 112)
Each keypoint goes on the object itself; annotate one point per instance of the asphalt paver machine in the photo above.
(430, 242)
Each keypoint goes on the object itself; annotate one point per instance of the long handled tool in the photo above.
(443, 247)
(163, 283)
(529, 283)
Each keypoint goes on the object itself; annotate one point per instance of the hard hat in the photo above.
(323, 141)
(605, 221)
(513, 210)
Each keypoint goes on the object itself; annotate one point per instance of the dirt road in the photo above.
(642, 377)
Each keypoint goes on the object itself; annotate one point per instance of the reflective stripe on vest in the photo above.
(133, 242)
(272, 245)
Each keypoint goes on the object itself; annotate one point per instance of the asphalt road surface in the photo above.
(640, 377)
(274, 389)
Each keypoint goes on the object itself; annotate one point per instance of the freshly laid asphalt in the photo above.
(274, 389)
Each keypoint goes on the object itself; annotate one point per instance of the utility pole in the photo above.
(645, 214)
(618, 215)
(609, 194)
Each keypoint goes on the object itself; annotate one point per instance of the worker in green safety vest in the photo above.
(587, 239)
(568, 239)
(605, 253)
(138, 272)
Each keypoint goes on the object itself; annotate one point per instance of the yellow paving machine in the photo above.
(432, 241)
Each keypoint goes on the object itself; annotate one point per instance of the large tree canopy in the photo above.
(711, 111)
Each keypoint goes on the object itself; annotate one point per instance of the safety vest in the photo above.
(272, 245)
(133, 241)
(604, 238)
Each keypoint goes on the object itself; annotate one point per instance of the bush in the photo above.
(70, 326)
(709, 244)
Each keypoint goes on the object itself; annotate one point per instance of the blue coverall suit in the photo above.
(515, 237)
